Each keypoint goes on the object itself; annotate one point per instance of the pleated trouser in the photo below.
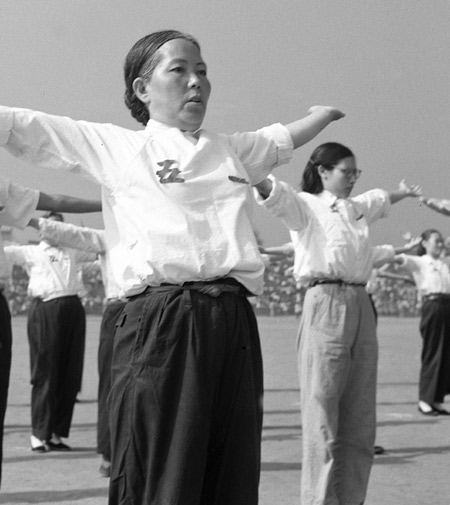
(186, 401)
(110, 316)
(338, 355)
(435, 357)
(56, 334)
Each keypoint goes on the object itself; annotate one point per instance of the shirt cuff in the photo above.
(283, 139)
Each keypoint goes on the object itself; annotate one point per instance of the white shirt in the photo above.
(17, 205)
(430, 275)
(84, 239)
(54, 272)
(174, 211)
(330, 235)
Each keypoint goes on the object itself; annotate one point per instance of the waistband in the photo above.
(211, 288)
(441, 297)
(51, 299)
(340, 282)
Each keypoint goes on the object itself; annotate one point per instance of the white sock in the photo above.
(36, 442)
(425, 406)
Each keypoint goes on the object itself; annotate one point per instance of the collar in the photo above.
(329, 198)
(154, 126)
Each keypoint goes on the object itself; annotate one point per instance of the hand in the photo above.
(333, 112)
(415, 190)
(412, 243)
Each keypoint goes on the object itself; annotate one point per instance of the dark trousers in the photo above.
(5, 366)
(56, 334)
(186, 401)
(105, 350)
(435, 358)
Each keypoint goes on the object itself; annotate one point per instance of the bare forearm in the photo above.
(305, 129)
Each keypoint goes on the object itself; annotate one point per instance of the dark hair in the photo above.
(326, 155)
(141, 61)
(426, 236)
(53, 213)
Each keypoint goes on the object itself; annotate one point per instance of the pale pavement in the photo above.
(413, 471)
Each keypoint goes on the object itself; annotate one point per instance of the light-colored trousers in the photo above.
(338, 354)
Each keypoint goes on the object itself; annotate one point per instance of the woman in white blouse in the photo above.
(338, 348)
(432, 276)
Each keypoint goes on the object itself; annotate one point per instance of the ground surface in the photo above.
(413, 471)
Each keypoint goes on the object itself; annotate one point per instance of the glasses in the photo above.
(350, 173)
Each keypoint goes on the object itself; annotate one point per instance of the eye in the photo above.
(177, 69)
(202, 72)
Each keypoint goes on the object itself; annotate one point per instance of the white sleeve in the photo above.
(69, 235)
(17, 203)
(285, 204)
(263, 150)
(62, 143)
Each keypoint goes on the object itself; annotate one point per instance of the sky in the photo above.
(384, 63)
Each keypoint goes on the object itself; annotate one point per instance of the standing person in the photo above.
(17, 205)
(338, 348)
(56, 333)
(432, 277)
(92, 240)
(185, 405)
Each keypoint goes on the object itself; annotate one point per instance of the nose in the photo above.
(194, 80)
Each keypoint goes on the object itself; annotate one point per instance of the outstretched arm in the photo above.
(404, 191)
(64, 203)
(305, 129)
(440, 205)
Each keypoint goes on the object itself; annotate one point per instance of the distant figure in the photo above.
(92, 240)
(17, 205)
(56, 334)
(431, 273)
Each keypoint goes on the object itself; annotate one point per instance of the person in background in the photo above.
(56, 330)
(17, 206)
(93, 240)
(431, 273)
(338, 349)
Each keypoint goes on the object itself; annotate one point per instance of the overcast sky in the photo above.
(385, 63)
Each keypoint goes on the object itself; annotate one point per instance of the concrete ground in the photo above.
(413, 471)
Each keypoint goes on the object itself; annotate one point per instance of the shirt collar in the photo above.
(329, 198)
(154, 126)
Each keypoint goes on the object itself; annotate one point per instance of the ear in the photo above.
(140, 89)
(322, 171)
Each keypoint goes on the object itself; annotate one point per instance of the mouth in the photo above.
(196, 99)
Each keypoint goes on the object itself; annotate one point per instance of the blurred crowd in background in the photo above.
(282, 295)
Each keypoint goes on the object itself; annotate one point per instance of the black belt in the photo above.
(211, 288)
(441, 297)
(316, 282)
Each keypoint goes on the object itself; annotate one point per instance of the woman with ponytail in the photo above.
(337, 344)
(431, 274)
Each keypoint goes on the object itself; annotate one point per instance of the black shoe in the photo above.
(441, 412)
(378, 449)
(58, 447)
(433, 412)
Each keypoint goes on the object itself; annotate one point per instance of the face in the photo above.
(434, 245)
(341, 178)
(178, 90)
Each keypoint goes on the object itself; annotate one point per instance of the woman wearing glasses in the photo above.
(337, 337)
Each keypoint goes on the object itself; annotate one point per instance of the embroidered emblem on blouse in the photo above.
(237, 179)
(167, 174)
